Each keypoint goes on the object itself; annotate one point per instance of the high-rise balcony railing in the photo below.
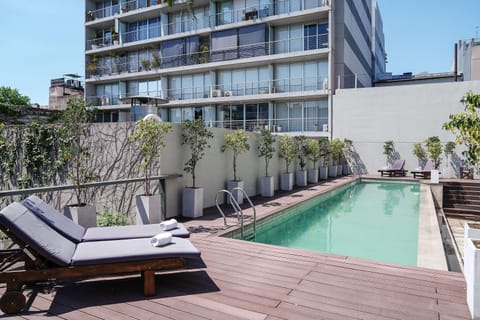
(220, 18)
(287, 85)
(154, 62)
(274, 124)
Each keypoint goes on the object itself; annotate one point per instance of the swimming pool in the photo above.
(369, 219)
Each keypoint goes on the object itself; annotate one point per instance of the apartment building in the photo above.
(245, 64)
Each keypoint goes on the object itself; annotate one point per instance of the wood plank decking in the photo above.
(244, 280)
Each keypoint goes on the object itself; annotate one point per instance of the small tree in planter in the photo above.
(195, 135)
(314, 154)
(301, 152)
(238, 143)
(434, 150)
(287, 152)
(420, 153)
(74, 150)
(266, 149)
(336, 148)
(324, 144)
(388, 150)
(149, 135)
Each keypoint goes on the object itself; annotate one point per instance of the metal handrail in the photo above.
(253, 207)
(235, 206)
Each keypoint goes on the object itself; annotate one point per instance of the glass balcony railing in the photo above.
(238, 89)
(155, 62)
(220, 18)
(308, 124)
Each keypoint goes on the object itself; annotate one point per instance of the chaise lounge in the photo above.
(425, 172)
(396, 170)
(48, 255)
(77, 233)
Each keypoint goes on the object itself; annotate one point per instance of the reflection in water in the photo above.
(372, 220)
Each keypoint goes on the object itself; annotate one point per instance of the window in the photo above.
(251, 41)
(154, 28)
(225, 12)
(316, 36)
(224, 45)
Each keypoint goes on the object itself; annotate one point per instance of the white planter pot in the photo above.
(332, 171)
(339, 170)
(286, 181)
(149, 209)
(267, 186)
(192, 202)
(86, 215)
(313, 176)
(471, 270)
(324, 173)
(237, 195)
(301, 178)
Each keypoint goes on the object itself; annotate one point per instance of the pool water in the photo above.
(373, 220)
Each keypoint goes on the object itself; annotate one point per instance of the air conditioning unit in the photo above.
(325, 127)
(228, 93)
(216, 93)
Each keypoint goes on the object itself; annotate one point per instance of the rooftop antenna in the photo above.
(476, 32)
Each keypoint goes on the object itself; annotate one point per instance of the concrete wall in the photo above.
(404, 114)
(216, 167)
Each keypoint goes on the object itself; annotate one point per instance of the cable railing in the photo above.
(250, 88)
(155, 61)
(220, 18)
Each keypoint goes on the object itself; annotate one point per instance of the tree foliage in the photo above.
(195, 135)
(74, 133)
(388, 149)
(324, 149)
(434, 150)
(336, 147)
(12, 97)
(150, 135)
(419, 152)
(237, 142)
(286, 150)
(266, 147)
(301, 150)
(465, 126)
(313, 151)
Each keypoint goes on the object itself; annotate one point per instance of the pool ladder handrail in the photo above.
(236, 207)
(252, 206)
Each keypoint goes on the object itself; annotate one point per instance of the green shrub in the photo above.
(109, 218)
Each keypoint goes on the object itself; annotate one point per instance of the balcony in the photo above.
(156, 63)
(221, 18)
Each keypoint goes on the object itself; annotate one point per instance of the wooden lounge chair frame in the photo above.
(394, 172)
(36, 268)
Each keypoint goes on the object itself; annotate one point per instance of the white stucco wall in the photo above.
(404, 114)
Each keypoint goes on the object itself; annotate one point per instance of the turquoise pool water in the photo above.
(373, 220)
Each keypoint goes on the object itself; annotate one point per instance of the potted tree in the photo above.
(74, 150)
(420, 153)
(449, 150)
(266, 149)
(238, 143)
(145, 64)
(301, 152)
(313, 154)
(92, 67)
(434, 150)
(286, 148)
(336, 147)
(155, 60)
(324, 144)
(195, 135)
(149, 135)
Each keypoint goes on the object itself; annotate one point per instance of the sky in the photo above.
(44, 39)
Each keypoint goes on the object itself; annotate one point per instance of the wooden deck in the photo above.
(245, 280)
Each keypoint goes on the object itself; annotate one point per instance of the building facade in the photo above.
(468, 59)
(61, 90)
(245, 64)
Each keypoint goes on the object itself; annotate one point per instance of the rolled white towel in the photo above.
(161, 239)
(168, 225)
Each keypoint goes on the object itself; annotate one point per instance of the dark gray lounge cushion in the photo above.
(55, 219)
(131, 232)
(77, 233)
(99, 252)
(37, 234)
